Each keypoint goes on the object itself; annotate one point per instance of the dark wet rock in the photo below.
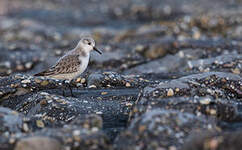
(20, 84)
(113, 79)
(224, 63)
(216, 84)
(84, 130)
(222, 109)
(191, 56)
(69, 137)
(159, 66)
(11, 121)
(211, 47)
(109, 78)
(41, 100)
(161, 129)
(117, 58)
(214, 94)
(215, 141)
(55, 111)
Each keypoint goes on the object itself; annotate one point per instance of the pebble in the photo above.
(20, 67)
(128, 104)
(83, 80)
(236, 71)
(44, 83)
(25, 81)
(43, 102)
(213, 112)
(170, 92)
(205, 101)
(58, 52)
(142, 128)
(40, 124)
(37, 80)
(76, 132)
(78, 79)
(92, 86)
(25, 127)
(28, 65)
(127, 84)
(7, 64)
(95, 129)
(104, 93)
(139, 48)
(99, 113)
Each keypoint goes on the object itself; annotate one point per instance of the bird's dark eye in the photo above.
(89, 43)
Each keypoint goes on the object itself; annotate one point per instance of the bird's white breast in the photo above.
(84, 63)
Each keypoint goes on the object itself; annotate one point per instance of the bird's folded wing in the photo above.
(67, 64)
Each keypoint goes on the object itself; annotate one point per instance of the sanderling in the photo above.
(73, 63)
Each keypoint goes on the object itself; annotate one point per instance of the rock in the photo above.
(54, 111)
(69, 137)
(158, 66)
(18, 60)
(88, 121)
(83, 131)
(11, 121)
(161, 129)
(37, 143)
(226, 63)
(113, 79)
(170, 92)
(216, 141)
(155, 51)
(146, 11)
(215, 84)
(222, 109)
(20, 84)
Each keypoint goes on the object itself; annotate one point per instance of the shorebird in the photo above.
(73, 63)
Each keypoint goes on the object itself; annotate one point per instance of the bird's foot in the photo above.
(66, 83)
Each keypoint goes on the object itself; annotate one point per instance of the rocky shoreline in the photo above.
(170, 77)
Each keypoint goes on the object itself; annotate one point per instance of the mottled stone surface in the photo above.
(161, 129)
(216, 141)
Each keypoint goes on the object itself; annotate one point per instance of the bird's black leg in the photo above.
(63, 92)
(71, 90)
(64, 87)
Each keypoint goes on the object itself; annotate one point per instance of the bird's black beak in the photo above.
(94, 48)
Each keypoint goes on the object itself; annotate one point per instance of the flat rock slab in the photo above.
(161, 129)
(214, 93)
(11, 121)
(67, 137)
(214, 140)
(83, 131)
(58, 110)
(41, 100)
